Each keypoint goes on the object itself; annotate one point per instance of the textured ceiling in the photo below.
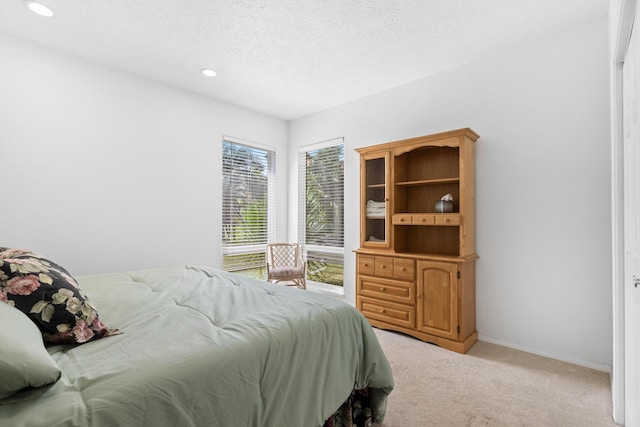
(290, 58)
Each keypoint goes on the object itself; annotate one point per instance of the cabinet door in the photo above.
(375, 208)
(438, 298)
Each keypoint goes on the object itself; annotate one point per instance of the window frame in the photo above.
(258, 248)
(330, 251)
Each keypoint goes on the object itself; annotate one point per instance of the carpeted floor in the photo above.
(490, 386)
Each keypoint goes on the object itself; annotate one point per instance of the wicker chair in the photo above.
(285, 263)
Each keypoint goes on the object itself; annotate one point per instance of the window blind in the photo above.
(321, 210)
(248, 203)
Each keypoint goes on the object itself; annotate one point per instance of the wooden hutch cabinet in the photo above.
(416, 264)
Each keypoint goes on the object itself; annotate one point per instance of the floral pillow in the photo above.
(50, 296)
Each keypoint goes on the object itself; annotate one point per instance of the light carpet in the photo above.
(491, 385)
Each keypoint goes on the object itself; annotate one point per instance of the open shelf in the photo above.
(429, 182)
(428, 240)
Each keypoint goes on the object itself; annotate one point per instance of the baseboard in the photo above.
(584, 363)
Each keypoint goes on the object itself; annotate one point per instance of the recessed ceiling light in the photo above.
(38, 8)
(208, 72)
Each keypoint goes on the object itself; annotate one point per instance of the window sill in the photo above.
(326, 289)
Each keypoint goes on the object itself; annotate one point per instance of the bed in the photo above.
(196, 346)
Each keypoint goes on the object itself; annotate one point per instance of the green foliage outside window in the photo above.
(245, 205)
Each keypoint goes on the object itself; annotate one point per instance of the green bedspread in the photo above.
(202, 347)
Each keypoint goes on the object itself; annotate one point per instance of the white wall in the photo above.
(106, 171)
(543, 184)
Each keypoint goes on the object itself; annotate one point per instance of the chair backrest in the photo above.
(284, 255)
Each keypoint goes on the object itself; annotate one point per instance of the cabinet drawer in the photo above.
(396, 314)
(404, 269)
(389, 267)
(383, 266)
(448, 219)
(366, 264)
(423, 219)
(388, 290)
(402, 219)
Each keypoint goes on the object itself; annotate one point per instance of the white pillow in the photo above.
(25, 364)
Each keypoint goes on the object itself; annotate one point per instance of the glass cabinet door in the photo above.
(375, 201)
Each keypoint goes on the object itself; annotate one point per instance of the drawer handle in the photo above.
(381, 311)
(423, 220)
(383, 266)
(401, 219)
(403, 269)
(447, 220)
(383, 289)
(365, 264)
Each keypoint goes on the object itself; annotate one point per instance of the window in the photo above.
(321, 210)
(248, 205)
